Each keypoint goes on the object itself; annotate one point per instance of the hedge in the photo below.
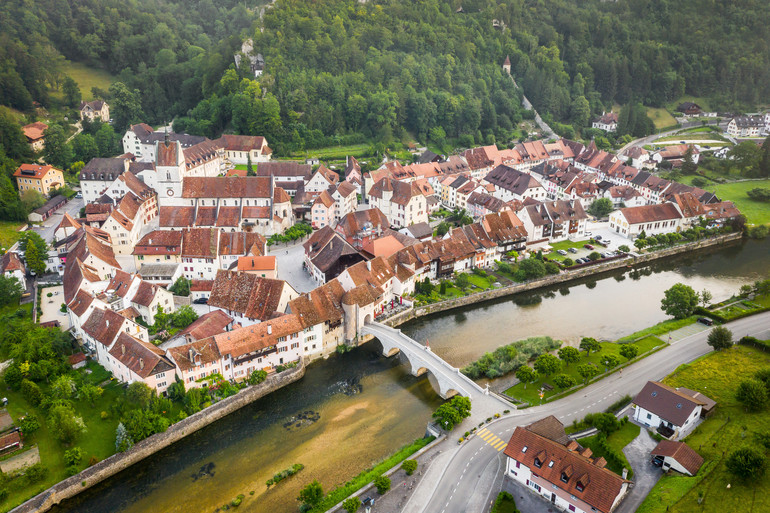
(764, 345)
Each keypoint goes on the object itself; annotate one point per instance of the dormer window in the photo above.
(564, 477)
(524, 449)
(579, 486)
(538, 463)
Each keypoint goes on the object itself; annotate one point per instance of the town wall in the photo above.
(117, 462)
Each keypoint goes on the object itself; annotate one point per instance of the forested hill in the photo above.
(383, 68)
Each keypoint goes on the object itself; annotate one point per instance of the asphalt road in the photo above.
(464, 480)
(48, 227)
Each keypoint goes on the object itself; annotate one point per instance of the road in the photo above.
(463, 479)
(48, 227)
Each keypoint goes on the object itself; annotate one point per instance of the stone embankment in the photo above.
(563, 277)
(117, 462)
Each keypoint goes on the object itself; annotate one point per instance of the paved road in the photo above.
(48, 227)
(289, 261)
(465, 480)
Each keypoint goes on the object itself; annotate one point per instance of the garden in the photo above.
(736, 425)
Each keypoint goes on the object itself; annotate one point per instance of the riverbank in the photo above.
(97, 473)
(557, 279)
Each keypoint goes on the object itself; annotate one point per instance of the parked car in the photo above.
(657, 461)
(201, 301)
(588, 246)
(561, 252)
(581, 260)
(706, 321)
(572, 250)
(598, 237)
(79, 195)
(607, 254)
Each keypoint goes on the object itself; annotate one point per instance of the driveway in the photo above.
(47, 228)
(645, 473)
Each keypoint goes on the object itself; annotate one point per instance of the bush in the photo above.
(352, 504)
(564, 381)
(567, 262)
(31, 392)
(594, 256)
(551, 268)
(720, 338)
(607, 423)
(752, 394)
(409, 466)
(73, 456)
(382, 483)
(510, 357)
(624, 248)
(759, 194)
(504, 504)
(29, 425)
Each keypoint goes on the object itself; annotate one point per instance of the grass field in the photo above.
(660, 328)
(703, 102)
(9, 233)
(661, 117)
(616, 441)
(86, 77)
(529, 393)
(730, 427)
(691, 137)
(336, 152)
(756, 212)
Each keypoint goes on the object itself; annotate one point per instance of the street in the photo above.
(47, 228)
(465, 478)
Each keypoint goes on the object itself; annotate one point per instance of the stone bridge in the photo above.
(449, 380)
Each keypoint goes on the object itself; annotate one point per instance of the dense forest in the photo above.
(342, 70)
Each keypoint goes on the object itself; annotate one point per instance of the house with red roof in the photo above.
(34, 132)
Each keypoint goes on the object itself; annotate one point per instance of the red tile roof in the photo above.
(240, 243)
(651, 213)
(323, 304)
(199, 243)
(103, 325)
(208, 325)
(81, 302)
(34, 171)
(142, 358)
(258, 336)
(248, 294)
(257, 263)
(159, 242)
(11, 262)
(226, 187)
(201, 352)
(177, 217)
(681, 452)
(34, 131)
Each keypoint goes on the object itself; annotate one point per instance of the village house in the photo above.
(652, 219)
(542, 458)
(97, 213)
(100, 331)
(321, 180)
(35, 134)
(360, 226)
(131, 291)
(672, 412)
(248, 298)
(141, 141)
(623, 196)
(234, 245)
(263, 346)
(480, 204)
(692, 210)
(511, 184)
(554, 221)
(353, 174)
(262, 266)
(164, 275)
(131, 360)
(320, 315)
(402, 203)
(746, 126)
(286, 175)
(420, 231)
(200, 253)
(128, 219)
(93, 110)
(97, 176)
(327, 254)
(158, 246)
(676, 153)
(638, 156)
(677, 456)
(240, 149)
(196, 360)
(607, 122)
(689, 108)
(11, 267)
(34, 177)
(322, 211)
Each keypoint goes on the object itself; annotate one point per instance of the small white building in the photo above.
(402, 203)
(650, 219)
(607, 122)
(677, 456)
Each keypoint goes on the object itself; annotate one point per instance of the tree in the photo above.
(752, 394)
(601, 207)
(593, 256)
(569, 355)
(73, 456)
(462, 281)
(32, 199)
(57, 151)
(123, 441)
(84, 148)
(580, 111)
(442, 228)
(607, 423)
(589, 344)
(125, 106)
(745, 155)
(452, 412)
(720, 338)
(640, 242)
(610, 361)
(679, 301)
(763, 169)
(525, 374)
(351, 504)
(688, 163)
(746, 463)
(547, 364)
(629, 351)
(624, 248)
(29, 424)
(106, 140)
(409, 466)
(587, 371)
(31, 392)
(181, 287)
(10, 290)
(532, 268)
(564, 381)
(249, 167)
(139, 393)
(311, 494)
(71, 92)
(90, 393)
(382, 483)
(184, 316)
(705, 297)
(63, 387)
(143, 423)
(64, 424)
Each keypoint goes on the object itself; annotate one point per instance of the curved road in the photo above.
(463, 478)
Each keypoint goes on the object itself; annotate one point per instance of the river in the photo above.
(352, 410)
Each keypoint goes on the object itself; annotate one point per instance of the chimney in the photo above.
(269, 329)
(587, 452)
(141, 363)
(108, 323)
(191, 354)
(123, 348)
(625, 473)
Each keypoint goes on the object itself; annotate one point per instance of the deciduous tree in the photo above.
(679, 301)
(720, 338)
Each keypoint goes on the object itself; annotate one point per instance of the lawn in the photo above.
(336, 152)
(529, 393)
(660, 328)
(661, 117)
(756, 212)
(86, 77)
(9, 233)
(717, 375)
(616, 441)
(687, 137)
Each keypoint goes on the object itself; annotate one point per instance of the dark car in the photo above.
(598, 237)
(657, 461)
(572, 250)
(706, 321)
(201, 301)
(588, 246)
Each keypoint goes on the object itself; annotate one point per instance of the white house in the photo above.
(97, 109)
(673, 412)
(553, 221)
(652, 219)
(131, 359)
(140, 140)
(97, 176)
(402, 203)
(512, 184)
(240, 148)
(11, 266)
(746, 126)
(607, 122)
(543, 459)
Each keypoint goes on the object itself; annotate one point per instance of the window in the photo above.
(571, 507)
(564, 477)
(579, 486)
(538, 463)
(649, 416)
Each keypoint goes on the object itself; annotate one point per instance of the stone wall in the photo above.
(563, 277)
(117, 462)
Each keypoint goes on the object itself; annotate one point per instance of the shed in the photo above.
(677, 456)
